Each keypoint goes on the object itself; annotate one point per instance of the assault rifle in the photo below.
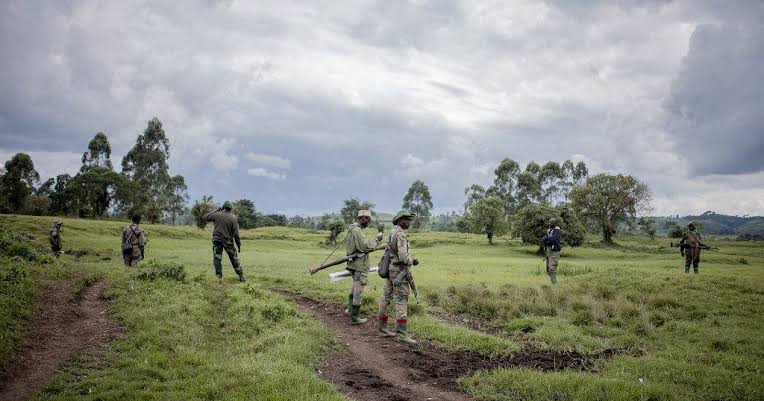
(345, 259)
(687, 246)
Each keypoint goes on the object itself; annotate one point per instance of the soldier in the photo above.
(400, 259)
(690, 248)
(133, 242)
(224, 236)
(359, 267)
(552, 248)
(55, 238)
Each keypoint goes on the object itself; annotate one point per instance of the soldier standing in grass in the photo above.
(552, 248)
(55, 238)
(133, 242)
(359, 267)
(224, 236)
(689, 247)
(400, 259)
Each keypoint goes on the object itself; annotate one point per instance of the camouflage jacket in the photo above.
(54, 235)
(692, 239)
(226, 227)
(400, 250)
(358, 243)
(134, 233)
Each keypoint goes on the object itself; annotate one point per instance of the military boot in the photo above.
(696, 268)
(553, 278)
(403, 334)
(355, 311)
(350, 305)
(241, 277)
(383, 330)
(686, 268)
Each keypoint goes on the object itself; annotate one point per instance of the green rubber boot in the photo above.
(355, 311)
(383, 330)
(686, 268)
(403, 334)
(553, 278)
(696, 268)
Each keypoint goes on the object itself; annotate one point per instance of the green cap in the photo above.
(403, 213)
(553, 221)
(227, 205)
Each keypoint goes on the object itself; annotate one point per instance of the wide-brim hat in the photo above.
(402, 214)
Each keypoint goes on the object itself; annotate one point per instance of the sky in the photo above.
(298, 105)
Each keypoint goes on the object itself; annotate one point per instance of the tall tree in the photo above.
(487, 216)
(505, 184)
(350, 210)
(608, 200)
(178, 197)
(94, 187)
(244, 209)
(418, 201)
(474, 193)
(61, 196)
(146, 166)
(99, 152)
(18, 182)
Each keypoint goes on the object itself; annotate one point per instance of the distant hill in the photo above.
(717, 224)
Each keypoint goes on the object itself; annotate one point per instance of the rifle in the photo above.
(405, 274)
(687, 246)
(344, 260)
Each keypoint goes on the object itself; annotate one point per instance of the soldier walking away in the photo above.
(55, 238)
(359, 267)
(552, 248)
(224, 236)
(133, 242)
(690, 246)
(396, 288)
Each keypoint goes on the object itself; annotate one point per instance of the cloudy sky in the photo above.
(298, 105)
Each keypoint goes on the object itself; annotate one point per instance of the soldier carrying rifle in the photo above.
(357, 243)
(689, 247)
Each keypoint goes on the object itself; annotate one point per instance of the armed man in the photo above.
(690, 246)
(398, 286)
(224, 236)
(54, 236)
(133, 242)
(552, 248)
(359, 267)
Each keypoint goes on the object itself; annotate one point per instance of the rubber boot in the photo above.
(241, 277)
(403, 334)
(553, 278)
(696, 269)
(383, 330)
(350, 305)
(355, 311)
(686, 268)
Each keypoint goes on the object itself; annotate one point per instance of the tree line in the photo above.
(144, 184)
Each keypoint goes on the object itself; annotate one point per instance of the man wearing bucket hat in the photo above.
(552, 248)
(224, 236)
(55, 238)
(400, 259)
(359, 267)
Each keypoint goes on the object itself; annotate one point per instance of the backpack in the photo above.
(383, 268)
(127, 246)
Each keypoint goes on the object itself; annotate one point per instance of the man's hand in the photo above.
(415, 262)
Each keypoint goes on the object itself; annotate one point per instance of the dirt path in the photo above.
(373, 368)
(65, 323)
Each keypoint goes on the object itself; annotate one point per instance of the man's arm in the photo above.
(236, 236)
(363, 244)
(402, 244)
(211, 215)
(552, 239)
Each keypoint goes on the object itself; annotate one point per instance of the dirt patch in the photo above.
(370, 367)
(67, 321)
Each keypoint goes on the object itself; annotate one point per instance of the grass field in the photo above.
(676, 336)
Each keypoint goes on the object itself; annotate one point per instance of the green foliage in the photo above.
(244, 209)
(487, 217)
(530, 224)
(608, 200)
(418, 201)
(13, 245)
(349, 211)
(154, 270)
(17, 183)
(334, 225)
(647, 226)
(201, 209)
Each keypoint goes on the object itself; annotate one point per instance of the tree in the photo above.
(244, 209)
(95, 186)
(530, 224)
(334, 225)
(505, 183)
(145, 165)
(418, 201)
(487, 217)
(647, 226)
(98, 153)
(474, 193)
(298, 222)
(18, 183)
(350, 210)
(607, 200)
(178, 197)
(201, 209)
(61, 196)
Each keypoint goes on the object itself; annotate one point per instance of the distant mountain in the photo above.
(717, 224)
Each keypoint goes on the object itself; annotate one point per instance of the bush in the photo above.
(153, 270)
(13, 246)
(530, 224)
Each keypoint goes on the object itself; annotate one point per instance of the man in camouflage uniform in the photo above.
(552, 248)
(224, 236)
(400, 259)
(55, 238)
(359, 267)
(689, 246)
(133, 236)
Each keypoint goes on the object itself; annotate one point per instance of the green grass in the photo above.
(679, 336)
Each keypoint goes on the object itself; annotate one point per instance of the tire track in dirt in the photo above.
(64, 323)
(370, 367)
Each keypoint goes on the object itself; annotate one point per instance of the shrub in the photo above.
(153, 270)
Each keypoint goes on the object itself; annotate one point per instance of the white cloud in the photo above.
(411, 162)
(222, 159)
(49, 164)
(261, 172)
(262, 159)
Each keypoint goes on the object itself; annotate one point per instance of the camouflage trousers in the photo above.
(360, 279)
(131, 259)
(399, 293)
(217, 257)
(552, 260)
(55, 247)
(691, 259)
